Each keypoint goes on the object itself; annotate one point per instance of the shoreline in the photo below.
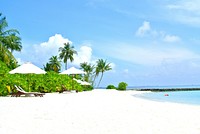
(97, 111)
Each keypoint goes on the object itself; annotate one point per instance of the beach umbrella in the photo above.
(27, 68)
(85, 83)
(82, 82)
(79, 81)
(73, 71)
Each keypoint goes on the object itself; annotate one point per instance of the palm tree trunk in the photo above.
(100, 79)
(66, 65)
(94, 80)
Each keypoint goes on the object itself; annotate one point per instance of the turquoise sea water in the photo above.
(186, 97)
(163, 87)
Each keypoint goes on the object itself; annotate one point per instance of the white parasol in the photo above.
(27, 68)
(82, 82)
(73, 70)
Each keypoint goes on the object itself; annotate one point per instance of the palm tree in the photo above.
(47, 67)
(102, 66)
(9, 38)
(88, 68)
(8, 41)
(13, 43)
(5, 54)
(96, 72)
(67, 52)
(55, 64)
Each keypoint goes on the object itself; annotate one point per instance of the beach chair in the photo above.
(34, 93)
(20, 92)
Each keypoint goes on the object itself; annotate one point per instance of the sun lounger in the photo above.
(20, 92)
(35, 93)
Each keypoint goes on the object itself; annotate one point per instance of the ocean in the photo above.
(163, 87)
(186, 97)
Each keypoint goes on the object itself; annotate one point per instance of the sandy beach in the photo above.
(96, 112)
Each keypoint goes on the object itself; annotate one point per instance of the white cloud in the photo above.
(171, 38)
(55, 41)
(96, 3)
(144, 29)
(112, 65)
(187, 12)
(190, 6)
(126, 71)
(150, 56)
(39, 54)
(43, 51)
(173, 6)
(84, 55)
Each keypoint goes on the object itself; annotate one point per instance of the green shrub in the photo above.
(45, 83)
(3, 79)
(111, 87)
(122, 86)
(87, 87)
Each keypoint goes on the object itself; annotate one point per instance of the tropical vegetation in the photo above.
(88, 68)
(102, 66)
(52, 81)
(93, 71)
(9, 42)
(121, 86)
(111, 87)
(67, 52)
(45, 83)
(53, 65)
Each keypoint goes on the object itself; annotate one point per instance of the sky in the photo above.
(146, 42)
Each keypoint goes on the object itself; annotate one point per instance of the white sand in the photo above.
(96, 112)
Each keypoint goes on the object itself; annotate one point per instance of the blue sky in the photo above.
(147, 42)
